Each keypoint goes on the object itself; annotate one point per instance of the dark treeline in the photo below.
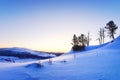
(80, 42)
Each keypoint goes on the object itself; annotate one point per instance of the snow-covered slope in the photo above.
(114, 44)
(88, 48)
(99, 64)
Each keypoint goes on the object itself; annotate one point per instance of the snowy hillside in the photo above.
(101, 63)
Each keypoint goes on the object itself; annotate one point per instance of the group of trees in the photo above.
(111, 29)
(81, 41)
(101, 34)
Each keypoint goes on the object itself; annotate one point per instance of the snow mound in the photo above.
(35, 65)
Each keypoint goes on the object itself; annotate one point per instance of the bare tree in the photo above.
(101, 35)
(88, 39)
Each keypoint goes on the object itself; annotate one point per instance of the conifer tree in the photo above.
(79, 42)
(111, 27)
(75, 40)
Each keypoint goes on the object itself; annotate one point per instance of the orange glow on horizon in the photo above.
(49, 48)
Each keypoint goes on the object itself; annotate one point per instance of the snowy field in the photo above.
(96, 63)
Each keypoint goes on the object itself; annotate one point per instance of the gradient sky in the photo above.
(49, 25)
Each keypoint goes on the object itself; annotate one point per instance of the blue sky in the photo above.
(49, 25)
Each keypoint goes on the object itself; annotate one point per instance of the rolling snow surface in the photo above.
(100, 63)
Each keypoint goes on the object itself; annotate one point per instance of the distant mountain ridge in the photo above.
(25, 53)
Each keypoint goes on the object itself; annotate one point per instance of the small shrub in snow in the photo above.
(50, 61)
(64, 61)
(37, 65)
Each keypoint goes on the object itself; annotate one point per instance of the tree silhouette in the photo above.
(75, 40)
(79, 42)
(111, 27)
(82, 40)
(75, 43)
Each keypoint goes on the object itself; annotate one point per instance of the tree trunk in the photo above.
(113, 36)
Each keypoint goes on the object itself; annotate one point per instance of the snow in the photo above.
(96, 63)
